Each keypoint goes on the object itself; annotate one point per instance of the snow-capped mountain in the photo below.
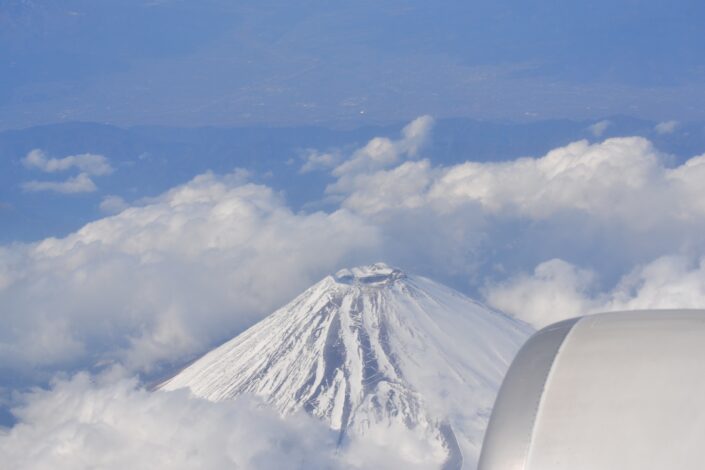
(372, 350)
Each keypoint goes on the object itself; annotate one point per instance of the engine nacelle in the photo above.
(614, 391)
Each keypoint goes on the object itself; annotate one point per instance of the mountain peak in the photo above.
(372, 274)
(369, 350)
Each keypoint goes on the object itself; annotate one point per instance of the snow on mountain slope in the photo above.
(371, 350)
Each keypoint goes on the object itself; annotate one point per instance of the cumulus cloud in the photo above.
(382, 152)
(88, 163)
(110, 422)
(599, 128)
(675, 281)
(167, 279)
(404, 186)
(113, 204)
(81, 424)
(619, 178)
(315, 160)
(614, 203)
(666, 127)
(81, 183)
(596, 178)
(557, 290)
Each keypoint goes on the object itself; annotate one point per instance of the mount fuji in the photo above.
(373, 352)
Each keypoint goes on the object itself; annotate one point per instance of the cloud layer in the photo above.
(616, 206)
(110, 422)
(587, 227)
(616, 178)
(166, 279)
(83, 424)
(557, 290)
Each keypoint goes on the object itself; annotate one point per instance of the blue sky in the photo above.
(347, 63)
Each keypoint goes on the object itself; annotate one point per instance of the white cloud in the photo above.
(597, 178)
(558, 290)
(599, 128)
(113, 204)
(109, 422)
(675, 281)
(666, 127)
(168, 279)
(88, 163)
(404, 186)
(315, 160)
(81, 424)
(555, 291)
(622, 179)
(81, 183)
(382, 152)
(612, 204)
(8, 266)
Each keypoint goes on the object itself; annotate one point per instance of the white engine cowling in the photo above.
(615, 391)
